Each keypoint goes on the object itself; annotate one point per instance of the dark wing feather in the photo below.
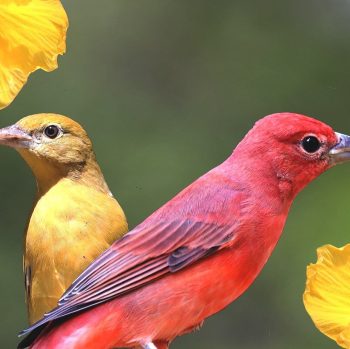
(142, 256)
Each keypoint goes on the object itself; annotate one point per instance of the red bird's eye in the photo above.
(311, 144)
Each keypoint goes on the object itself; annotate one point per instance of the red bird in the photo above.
(200, 251)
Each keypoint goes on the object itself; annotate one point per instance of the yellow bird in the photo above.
(75, 217)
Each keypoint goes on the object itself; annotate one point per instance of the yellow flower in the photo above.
(32, 35)
(327, 293)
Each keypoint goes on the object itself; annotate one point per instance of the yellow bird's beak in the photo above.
(13, 136)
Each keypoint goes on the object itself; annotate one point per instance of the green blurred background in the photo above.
(166, 89)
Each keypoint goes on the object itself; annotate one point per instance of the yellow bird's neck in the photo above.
(48, 174)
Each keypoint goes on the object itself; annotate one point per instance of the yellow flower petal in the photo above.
(327, 293)
(32, 35)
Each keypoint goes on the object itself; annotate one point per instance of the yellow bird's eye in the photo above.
(52, 131)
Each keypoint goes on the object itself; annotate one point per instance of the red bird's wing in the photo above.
(200, 220)
(143, 255)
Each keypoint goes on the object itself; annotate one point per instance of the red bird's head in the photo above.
(294, 148)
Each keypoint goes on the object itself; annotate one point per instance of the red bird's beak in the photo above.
(341, 151)
(14, 137)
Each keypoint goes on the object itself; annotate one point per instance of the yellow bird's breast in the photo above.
(69, 227)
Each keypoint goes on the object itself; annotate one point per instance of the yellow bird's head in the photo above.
(54, 146)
